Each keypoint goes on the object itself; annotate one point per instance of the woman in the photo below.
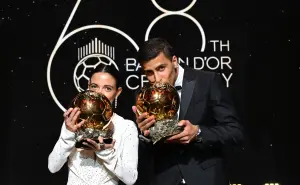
(105, 164)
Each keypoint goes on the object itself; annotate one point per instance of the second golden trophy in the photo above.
(161, 100)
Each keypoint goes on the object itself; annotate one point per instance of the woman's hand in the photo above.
(71, 117)
(98, 146)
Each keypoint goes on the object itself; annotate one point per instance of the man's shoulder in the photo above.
(206, 73)
(200, 72)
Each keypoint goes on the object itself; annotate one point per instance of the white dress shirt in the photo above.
(99, 168)
(178, 82)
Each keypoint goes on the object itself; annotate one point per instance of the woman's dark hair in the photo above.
(107, 69)
(152, 48)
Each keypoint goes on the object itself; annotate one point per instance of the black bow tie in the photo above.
(178, 87)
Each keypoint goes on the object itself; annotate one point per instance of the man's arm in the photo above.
(145, 142)
(227, 129)
(145, 151)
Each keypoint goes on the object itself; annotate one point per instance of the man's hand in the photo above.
(143, 122)
(187, 135)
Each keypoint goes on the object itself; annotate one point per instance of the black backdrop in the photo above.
(259, 40)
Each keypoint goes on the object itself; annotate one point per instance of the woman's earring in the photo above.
(116, 102)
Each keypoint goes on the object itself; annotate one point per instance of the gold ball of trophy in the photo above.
(96, 110)
(161, 100)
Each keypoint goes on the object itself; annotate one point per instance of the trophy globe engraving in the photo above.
(161, 100)
(96, 110)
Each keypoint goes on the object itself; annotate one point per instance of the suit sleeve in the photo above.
(145, 142)
(227, 129)
(145, 153)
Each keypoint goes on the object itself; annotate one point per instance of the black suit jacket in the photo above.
(205, 102)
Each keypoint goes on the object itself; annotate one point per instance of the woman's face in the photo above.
(105, 83)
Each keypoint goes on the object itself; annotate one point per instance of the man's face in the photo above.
(161, 69)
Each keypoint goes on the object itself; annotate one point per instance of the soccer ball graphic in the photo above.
(85, 67)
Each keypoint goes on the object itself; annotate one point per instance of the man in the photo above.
(194, 156)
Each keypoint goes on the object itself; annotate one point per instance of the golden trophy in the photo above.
(161, 100)
(97, 112)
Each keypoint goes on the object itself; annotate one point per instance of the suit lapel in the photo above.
(188, 85)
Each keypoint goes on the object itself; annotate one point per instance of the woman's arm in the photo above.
(124, 159)
(61, 150)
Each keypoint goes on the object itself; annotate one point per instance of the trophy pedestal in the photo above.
(79, 144)
(92, 134)
(164, 128)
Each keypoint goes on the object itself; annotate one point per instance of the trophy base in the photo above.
(163, 129)
(79, 144)
(92, 134)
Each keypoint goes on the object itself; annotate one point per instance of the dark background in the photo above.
(260, 48)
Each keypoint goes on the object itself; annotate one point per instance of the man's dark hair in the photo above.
(152, 48)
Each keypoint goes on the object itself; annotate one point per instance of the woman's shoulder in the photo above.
(123, 122)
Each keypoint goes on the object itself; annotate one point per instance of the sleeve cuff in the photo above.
(144, 139)
(67, 134)
(199, 138)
